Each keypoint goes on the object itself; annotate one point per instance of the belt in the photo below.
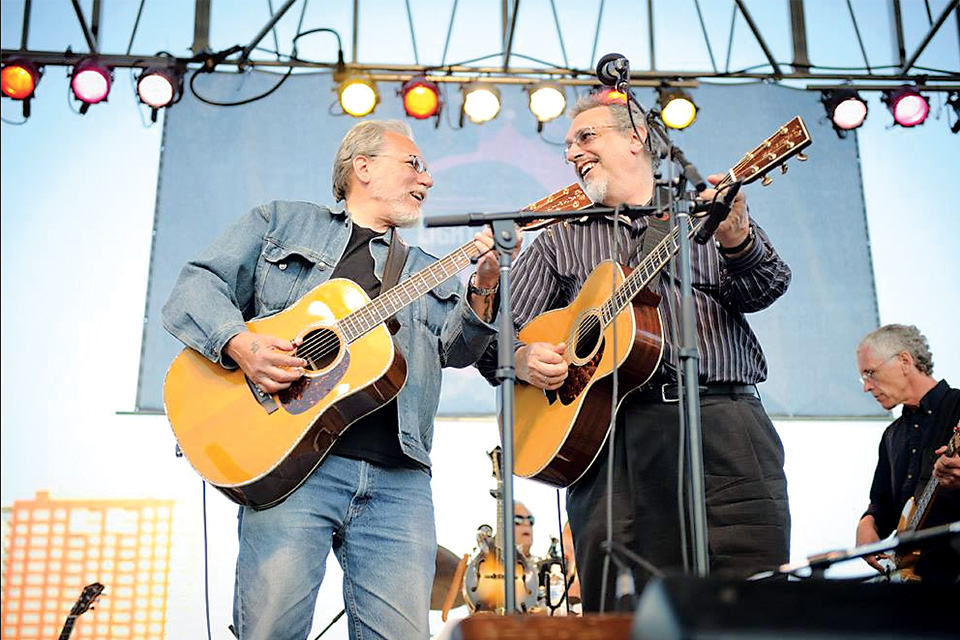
(667, 392)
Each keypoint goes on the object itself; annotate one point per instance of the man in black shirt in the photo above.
(896, 366)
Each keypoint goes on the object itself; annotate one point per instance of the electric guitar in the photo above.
(86, 601)
(257, 448)
(915, 513)
(558, 434)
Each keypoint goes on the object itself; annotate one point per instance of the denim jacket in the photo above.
(280, 251)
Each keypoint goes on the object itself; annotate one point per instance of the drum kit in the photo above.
(477, 580)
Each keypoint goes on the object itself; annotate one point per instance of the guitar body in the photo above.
(258, 448)
(483, 586)
(558, 434)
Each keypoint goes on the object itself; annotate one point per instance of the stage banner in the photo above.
(218, 162)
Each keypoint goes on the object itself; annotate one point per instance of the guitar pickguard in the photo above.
(306, 392)
(578, 378)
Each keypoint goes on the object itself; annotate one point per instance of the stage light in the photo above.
(677, 109)
(421, 98)
(19, 79)
(845, 108)
(547, 101)
(90, 82)
(908, 107)
(481, 102)
(358, 96)
(159, 87)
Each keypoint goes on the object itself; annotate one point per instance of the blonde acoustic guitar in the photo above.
(258, 448)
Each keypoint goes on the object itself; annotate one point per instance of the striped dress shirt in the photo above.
(549, 274)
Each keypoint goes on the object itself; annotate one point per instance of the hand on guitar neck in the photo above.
(266, 360)
(542, 364)
(735, 228)
(947, 469)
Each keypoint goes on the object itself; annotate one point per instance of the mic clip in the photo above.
(719, 210)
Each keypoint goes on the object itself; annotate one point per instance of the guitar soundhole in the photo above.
(319, 348)
(587, 337)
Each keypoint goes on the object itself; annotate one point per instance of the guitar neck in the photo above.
(68, 627)
(645, 271)
(363, 320)
(930, 490)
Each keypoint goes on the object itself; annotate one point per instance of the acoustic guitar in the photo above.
(257, 448)
(558, 434)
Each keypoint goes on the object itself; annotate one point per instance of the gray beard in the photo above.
(403, 214)
(596, 189)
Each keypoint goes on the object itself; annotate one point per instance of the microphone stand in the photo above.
(687, 349)
(505, 238)
(818, 563)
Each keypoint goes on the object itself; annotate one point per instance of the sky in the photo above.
(78, 193)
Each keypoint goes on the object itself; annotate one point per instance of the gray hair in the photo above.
(619, 116)
(891, 339)
(364, 139)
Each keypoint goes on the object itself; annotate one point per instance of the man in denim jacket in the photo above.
(370, 500)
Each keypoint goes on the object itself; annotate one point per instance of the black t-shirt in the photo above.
(376, 436)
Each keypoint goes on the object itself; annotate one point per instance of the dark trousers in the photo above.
(748, 518)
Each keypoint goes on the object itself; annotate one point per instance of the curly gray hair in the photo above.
(364, 139)
(619, 116)
(891, 339)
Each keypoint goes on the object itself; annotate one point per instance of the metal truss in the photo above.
(799, 70)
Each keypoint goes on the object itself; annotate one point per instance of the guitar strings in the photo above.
(326, 340)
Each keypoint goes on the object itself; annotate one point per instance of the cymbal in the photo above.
(446, 568)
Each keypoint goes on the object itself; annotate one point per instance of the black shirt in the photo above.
(904, 467)
(376, 436)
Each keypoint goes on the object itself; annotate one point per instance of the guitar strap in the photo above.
(396, 258)
(657, 230)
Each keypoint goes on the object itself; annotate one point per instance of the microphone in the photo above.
(718, 213)
(612, 69)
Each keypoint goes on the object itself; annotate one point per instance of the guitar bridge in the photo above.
(264, 399)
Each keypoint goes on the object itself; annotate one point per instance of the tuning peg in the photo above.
(783, 168)
(766, 180)
(802, 157)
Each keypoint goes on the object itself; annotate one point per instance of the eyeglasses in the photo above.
(586, 136)
(521, 519)
(416, 162)
(870, 374)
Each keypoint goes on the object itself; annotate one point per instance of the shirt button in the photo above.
(914, 450)
(321, 266)
(909, 475)
(282, 266)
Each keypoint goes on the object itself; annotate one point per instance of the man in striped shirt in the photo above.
(747, 510)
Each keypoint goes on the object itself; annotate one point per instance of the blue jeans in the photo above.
(379, 523)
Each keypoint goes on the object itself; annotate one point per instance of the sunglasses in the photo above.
(522, 519)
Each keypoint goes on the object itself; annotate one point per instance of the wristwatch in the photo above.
(479, 291)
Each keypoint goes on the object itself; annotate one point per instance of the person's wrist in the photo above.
(476, 287)
(738, 248)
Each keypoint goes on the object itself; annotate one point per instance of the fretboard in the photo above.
(359, 322)
(645, 271)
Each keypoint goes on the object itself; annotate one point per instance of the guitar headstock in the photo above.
(496, 458)
(788, 141)
(570, 198)
(87, 598)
